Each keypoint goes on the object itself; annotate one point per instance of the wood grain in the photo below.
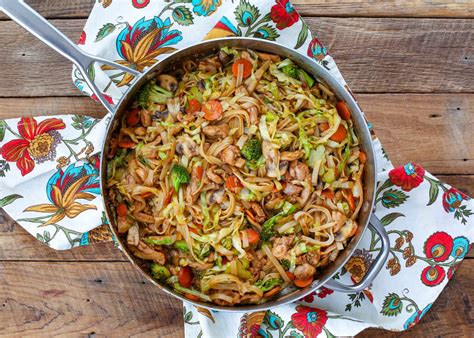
(416, 8)
(113, 299)
(80, 299)
(374, 54)
(384, 8)
(18, 245)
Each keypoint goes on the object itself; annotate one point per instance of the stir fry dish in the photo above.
(235, 176)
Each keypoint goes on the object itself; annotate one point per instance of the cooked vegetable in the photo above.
(252, 149)
(246, 66)
(212, 110)
(159, 272)
(152, 94)
(234, 177)
(179, 175)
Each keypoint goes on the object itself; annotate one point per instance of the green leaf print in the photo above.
(434, 191)
(2, 130)
(266, 32)
(246, 14)
(393, 198)
(9, 199)
(389, 218)
(106, 29)
(302, 36)
(182, 16)
(392, 305)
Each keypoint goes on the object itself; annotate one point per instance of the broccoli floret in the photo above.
(298, 73)
(285, 263)
(268, 284)
(179, 175)
(151, 94)
(267, 226)
(159, 272)
(252, 149)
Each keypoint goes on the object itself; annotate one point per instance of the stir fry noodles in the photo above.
(236, 176)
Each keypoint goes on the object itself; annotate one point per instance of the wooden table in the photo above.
(412, 67)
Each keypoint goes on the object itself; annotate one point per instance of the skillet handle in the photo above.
(33, 22)
(374, 270)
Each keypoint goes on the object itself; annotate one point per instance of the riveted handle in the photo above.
(376, 266)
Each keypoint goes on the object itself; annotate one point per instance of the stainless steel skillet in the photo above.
(43, 30)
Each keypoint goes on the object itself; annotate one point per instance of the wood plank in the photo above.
(433, 130)
(404, 55)
(450, 316)
(112, 299)
(80, 299)
(417, 8)
(60, 9)
(385, 8)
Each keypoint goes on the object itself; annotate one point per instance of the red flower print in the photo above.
(309, 320)
(107, 97)
(408, 176)
(140, 3)
(37, 143)
(316, 50)
(452, 199)
(283, 14)
(438, 246)
(82, 39)
(432, 275)
(324, 292)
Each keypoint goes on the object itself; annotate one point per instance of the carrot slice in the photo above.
(252, 235)
(122, 209)
(168, 197)
(272, 292)
(233, 183)
(290, 275)
(185, 276)
(193, 106)
(200, 172)
(192, 297)
(343, 110)
(127, 144)
(212, 110)
(350, 199)
(133, 117)
(302, 283)
(327, 193)
(247, 67)
(362, 156)
(340, 134)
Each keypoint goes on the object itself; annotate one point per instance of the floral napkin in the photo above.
(429, 223)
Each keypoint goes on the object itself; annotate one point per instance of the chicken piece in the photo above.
(210, 65)
(291, 155)
(144, 251)
(231, 156)
(217, 196)
(292, 189)
(257, 262)
(311, 258)
(284, 167)
(258, 212)
(272, 159)
(187, 146)
(220, 131)
(266, 56)
(253, 114)
(299, 171)
(195, 180)
(274, 201)
(281, 246)
(133, 235)
(214, 177)
(304, 271)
